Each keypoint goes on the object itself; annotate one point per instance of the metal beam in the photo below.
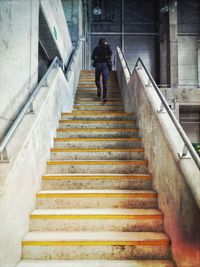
(125, 33)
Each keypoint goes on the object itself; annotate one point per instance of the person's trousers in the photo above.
(102, 68)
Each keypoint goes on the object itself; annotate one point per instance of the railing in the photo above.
(125, 64)
(165, 107)
(70, 63)
(29, 104)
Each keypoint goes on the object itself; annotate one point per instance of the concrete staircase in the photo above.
(97, 207)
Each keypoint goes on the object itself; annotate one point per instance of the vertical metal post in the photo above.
(198, 61)
(89, 33)
(4, 156)
(185, 154)
(31, 108)
(122, 25)
(162, 108)
(173, 43)
(85, 33)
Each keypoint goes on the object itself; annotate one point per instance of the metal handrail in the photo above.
(122, 57)
(183, 135)
(29, 104)
(71, 60)
(26, 107)
(164, 105)
(126, 62)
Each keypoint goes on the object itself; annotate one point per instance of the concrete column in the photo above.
(198, 62)
(173, 43)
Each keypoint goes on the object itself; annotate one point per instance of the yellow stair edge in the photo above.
(96, 239)
(97, 162)
(97, 130)
(97, 243)
(98, 121)
(99, 112)
(93, 176)
(97, 194)
(114, 214)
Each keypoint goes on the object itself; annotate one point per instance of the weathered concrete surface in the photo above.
(19, 50)
(176, 180)
(173, 44)
(20, 179)
(115, 181)
(28, 150)
(181, 96)
(94, 263)
(187, 61)
(19, 56)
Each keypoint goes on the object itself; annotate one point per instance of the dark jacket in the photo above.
(102, 53)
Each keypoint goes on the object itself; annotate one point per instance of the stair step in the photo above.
(83, 80)
(97, 153)
(97, 124)
(110, 96)
(97, 132)
(99, 112)
(98, 115)
(91, 88)
(96, 98)
(100, 181)
(94, 91)
(59, 199)
(97, 166)
(98, 104)
(118, 220)
(103, 108)
(95, 263)
(101, 143)
(95, 245)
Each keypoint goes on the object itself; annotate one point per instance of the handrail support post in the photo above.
(185, 154)
(149, 83)
(31, 110)
(45, 84)
(4, 156)
(162, 108)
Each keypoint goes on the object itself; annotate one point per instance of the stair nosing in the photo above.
(94, 176)
(96, 239)
(97, 162)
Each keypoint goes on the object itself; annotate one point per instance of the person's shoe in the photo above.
(104, 99)
(98, 92)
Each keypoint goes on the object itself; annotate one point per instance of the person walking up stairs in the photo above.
(97, 207)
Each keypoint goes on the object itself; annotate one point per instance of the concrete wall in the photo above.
(188, 32)
(187, 61)
(182, 96)
(30, 147)
(19, 58)
(55, 17)
(176, 180)
(19, 50)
